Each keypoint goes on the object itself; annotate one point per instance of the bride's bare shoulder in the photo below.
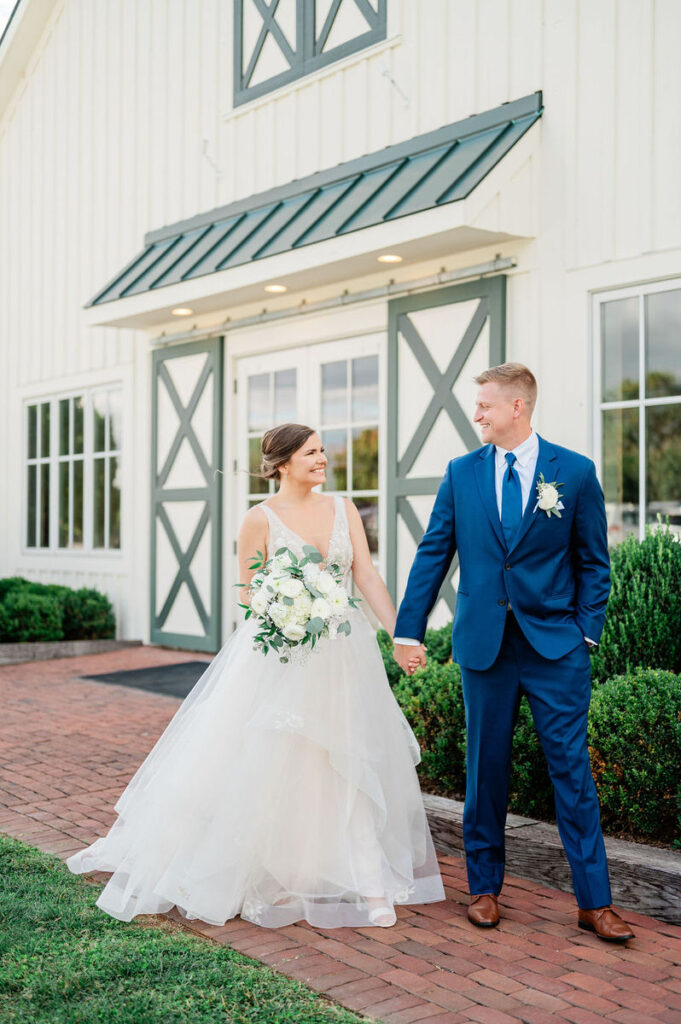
(350, 508)
(255, 521)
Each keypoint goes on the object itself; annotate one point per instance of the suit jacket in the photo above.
(555, 572)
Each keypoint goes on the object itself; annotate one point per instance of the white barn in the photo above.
(216, 215)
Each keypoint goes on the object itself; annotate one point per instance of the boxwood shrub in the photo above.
(39, 611)
(644, 608)
(634, 742)
(31, 617)
(432, 701)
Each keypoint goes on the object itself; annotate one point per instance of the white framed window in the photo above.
(334, 387)
(73, 471)
(38, 477)
(637, 356)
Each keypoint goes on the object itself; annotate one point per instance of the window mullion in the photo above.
(642, 460)
(31, 541)
(53, 507)
(107, 475)
(71, 446)
(88, 473)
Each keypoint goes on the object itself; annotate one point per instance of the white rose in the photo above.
(273, 581)
(325, 583)
(320, 608)
(311, 572)
(338, 599)
(303, 603)
(291, 587)
(548, 498)
(280, 562)
(280, 614)
(259, 603)
(294, 631)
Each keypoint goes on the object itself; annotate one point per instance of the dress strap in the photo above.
(268, 511)
(275, 523)
(341, 512)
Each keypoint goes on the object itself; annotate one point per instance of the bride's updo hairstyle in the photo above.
(279, 444)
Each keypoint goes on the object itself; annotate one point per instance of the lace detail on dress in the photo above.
(340, 545)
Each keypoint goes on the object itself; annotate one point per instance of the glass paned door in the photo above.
(349, 423)
(267, 395)
(335, 388)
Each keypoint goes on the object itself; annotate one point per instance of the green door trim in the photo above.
(492, 294)
(211, 493)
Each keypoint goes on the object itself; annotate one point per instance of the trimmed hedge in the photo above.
(634, 742)
(46, 612)
(635, 746)
(432, 700)
(644, 608)
(31, 617)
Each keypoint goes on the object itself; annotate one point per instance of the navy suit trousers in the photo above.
(558, 693)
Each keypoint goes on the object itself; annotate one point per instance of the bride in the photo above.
(281, 792)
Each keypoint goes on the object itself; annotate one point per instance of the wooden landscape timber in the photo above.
(643, 878)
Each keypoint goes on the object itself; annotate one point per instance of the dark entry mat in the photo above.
(173, 680)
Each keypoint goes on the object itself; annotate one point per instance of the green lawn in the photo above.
(63, 960)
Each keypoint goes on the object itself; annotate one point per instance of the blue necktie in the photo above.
(511, 500)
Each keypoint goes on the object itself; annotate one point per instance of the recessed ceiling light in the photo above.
(182, 311)
(276, 288)
(389, 257)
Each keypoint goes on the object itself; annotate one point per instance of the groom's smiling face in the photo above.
(497, 414)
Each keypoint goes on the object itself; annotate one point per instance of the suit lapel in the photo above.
(484, 477)
(547, 463)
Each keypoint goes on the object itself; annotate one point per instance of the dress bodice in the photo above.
(340, 545)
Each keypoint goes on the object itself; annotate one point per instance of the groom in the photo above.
(528, 521)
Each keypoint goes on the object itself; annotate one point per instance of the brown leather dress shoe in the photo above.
(484, 910)
(606, 923)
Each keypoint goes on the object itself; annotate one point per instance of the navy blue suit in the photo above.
(555, 574)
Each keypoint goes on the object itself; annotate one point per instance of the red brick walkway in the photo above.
(67, 749)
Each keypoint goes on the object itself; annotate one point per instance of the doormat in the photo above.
(172, 680)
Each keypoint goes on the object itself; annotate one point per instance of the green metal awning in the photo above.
(425, 172)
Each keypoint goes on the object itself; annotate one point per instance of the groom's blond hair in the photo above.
(514, 376)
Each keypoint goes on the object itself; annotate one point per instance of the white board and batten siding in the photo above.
(122, 121)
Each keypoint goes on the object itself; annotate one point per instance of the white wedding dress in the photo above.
(277, 792)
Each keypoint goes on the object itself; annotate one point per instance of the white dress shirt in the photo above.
(526, 455)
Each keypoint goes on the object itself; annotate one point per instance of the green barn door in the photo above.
(438, 342)
(186, 495)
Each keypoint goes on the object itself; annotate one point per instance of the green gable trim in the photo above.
(425, 172)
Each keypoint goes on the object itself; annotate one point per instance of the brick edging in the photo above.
(17, 654)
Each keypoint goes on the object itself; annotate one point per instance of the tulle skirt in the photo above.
(277, 792)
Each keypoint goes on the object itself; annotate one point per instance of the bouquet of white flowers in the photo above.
(296, 601)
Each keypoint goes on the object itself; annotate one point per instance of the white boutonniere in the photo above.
(548, 497)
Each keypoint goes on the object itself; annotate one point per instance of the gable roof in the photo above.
(440, 167)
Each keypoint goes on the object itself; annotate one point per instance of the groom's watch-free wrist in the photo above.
(406, 641)
(590, 642)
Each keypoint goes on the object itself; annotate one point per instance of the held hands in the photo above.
(409, 657)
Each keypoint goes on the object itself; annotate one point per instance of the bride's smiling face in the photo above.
(308, 464)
